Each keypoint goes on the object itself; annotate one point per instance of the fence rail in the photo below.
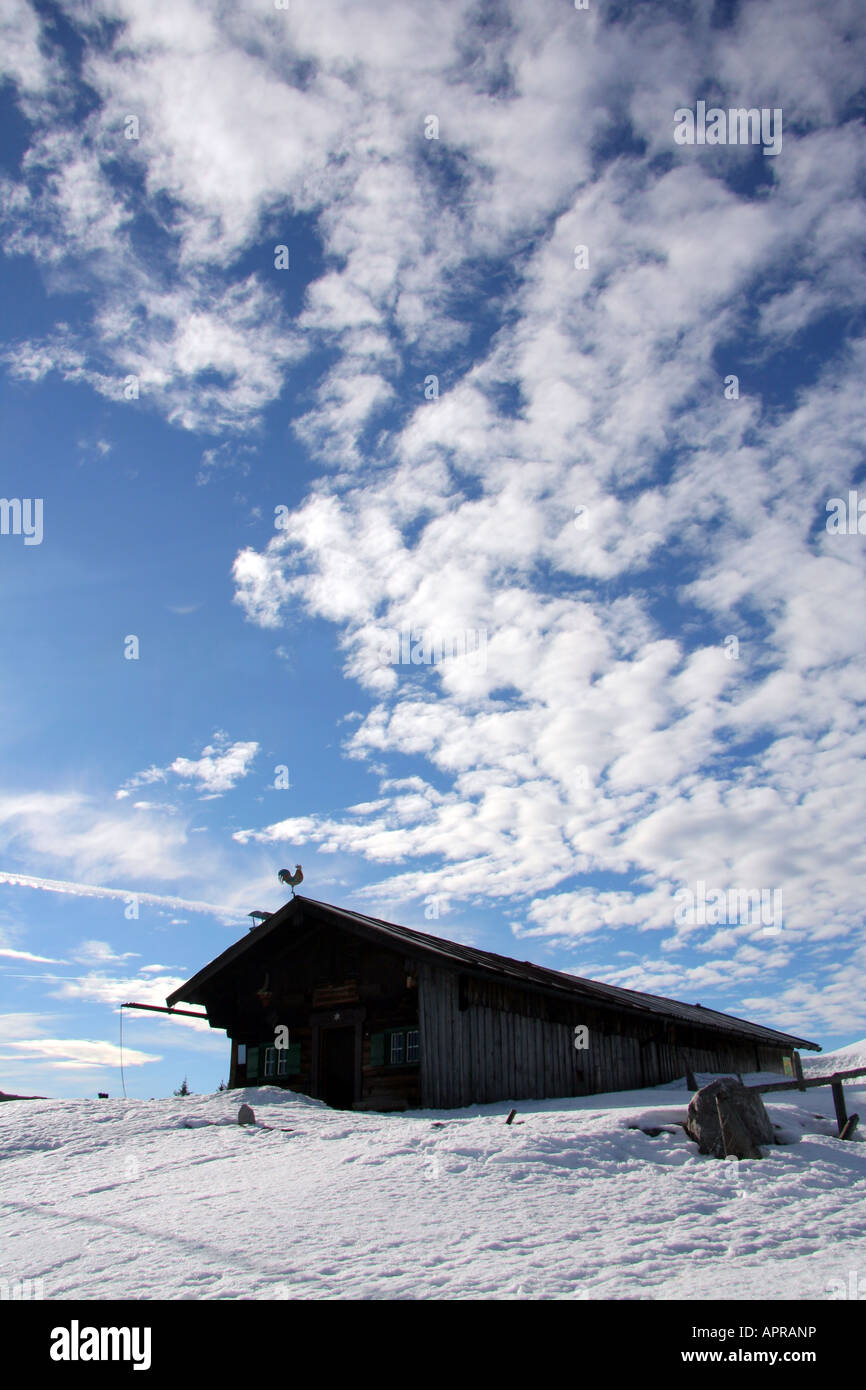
(847, 1123)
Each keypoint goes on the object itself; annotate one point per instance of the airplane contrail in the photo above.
(92, 890)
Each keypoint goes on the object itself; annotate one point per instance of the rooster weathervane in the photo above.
(291, 879)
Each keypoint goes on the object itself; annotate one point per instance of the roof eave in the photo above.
(187, 992)
(560, 984)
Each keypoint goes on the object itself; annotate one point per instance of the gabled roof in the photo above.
(437, 948)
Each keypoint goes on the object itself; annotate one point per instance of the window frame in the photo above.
(389, 1062)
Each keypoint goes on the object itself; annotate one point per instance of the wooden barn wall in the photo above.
(484, 1041)
(328, 973)
(445, 1080)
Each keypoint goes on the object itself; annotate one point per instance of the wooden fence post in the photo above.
(853, 1122)
(798, 1069)
(839, 1101)
(846, 1125)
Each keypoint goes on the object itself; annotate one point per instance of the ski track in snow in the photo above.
(172, 1199)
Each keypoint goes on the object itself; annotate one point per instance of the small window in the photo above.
(288, 1060)
(270, 1061)
(242, 1054)
(397, 1047)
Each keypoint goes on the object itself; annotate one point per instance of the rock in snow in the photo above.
(246, 1115)
(727, 1118)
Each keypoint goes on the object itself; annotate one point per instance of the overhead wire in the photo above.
(123, 1077)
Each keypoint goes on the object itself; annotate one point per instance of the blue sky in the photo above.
(441, 419)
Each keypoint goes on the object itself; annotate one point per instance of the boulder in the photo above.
(246, 1115)
(726, 1120)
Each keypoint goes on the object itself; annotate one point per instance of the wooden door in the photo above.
(338, 1067)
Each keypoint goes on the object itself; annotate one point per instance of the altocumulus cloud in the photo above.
(579, 485)
(219, 768)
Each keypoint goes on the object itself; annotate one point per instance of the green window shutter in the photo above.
(377, 1050)
(293, 1059)
(252, 1062)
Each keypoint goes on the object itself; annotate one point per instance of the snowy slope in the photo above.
(843, 1059)
(173, 1199)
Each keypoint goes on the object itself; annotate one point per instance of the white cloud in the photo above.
(22, 58)
(16, 1026)
(66, 1054)
(221, 766)
(9, 954)
(608, 734)
(101, 953)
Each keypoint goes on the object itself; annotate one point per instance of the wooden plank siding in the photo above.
(485, 1041)
(490, 1028)
(484, 1037)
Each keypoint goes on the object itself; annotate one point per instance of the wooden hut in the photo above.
(368, 1015)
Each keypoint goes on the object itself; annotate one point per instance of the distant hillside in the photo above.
(843, 1059)
(4, 1096)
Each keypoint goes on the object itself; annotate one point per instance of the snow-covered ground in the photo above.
(173, 1199)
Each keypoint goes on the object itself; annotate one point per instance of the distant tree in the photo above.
(223, 1086)
(183, 1089)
